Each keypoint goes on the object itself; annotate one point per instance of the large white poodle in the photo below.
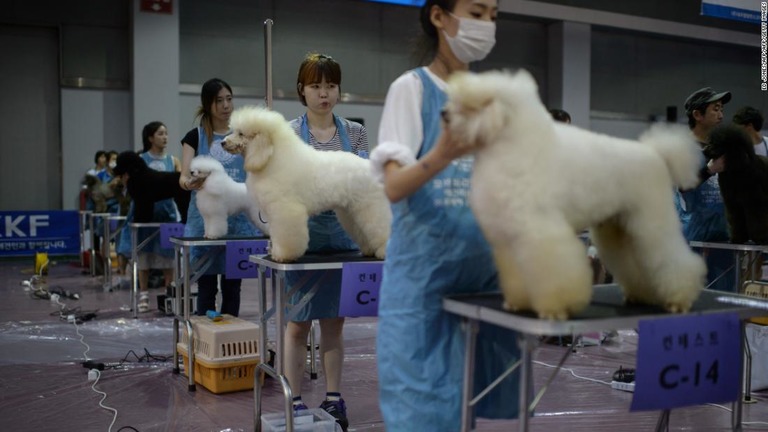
(292, 181)
(221, 196)
(537, 183)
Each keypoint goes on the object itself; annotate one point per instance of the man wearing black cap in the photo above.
(703, 212)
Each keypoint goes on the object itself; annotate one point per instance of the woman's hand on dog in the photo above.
(715, 166)
(191, 182)
(450, 148)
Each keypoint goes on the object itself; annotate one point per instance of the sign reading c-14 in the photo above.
(26, 232)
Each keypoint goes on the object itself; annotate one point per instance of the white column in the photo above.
(570, 54)
(155, 78)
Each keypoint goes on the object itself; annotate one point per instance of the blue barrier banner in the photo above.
(740, 10)
(22, 233)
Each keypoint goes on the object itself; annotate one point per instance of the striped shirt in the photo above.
(358, 137)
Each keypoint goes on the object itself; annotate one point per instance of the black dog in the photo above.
(743, 184)
(147, 186)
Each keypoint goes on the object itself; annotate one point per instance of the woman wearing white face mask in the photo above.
(435, 247)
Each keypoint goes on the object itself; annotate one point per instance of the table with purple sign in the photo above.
(238, 250)
(360, 281)
(607, 311)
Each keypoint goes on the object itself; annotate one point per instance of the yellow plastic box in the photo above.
(225, 353)
(757, 289)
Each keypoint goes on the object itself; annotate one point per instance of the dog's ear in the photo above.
(258, 151)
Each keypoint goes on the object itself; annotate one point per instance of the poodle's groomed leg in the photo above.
(555, 269)
(615, 249)
(675, 274)
(510, 281)
(288, 231)
(353, 230)
(215, 224)
(368, 224)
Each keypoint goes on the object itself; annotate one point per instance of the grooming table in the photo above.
(188, 274)
(83, 217)
(310, 261)
(605, 312)
(91, 218)
(750, 252)
(741, 253)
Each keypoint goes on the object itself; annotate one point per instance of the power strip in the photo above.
(627, 387)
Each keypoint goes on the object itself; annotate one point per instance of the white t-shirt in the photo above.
(761, 148)
(401, 116)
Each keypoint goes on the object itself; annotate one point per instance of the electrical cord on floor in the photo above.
(147, 357)
(574, 373)
(748, 423)
(97, 373)
(608, 384)
(103, 396)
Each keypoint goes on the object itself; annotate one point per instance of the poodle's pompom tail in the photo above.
(679, 150)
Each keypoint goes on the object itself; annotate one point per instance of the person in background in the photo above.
(702, 211)
(751, 119)
(214, 112)
(436, 247)
(113, 206)
(318, 85)
(154, 137)
(100, 160)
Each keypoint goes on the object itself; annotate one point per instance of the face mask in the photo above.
(112, 165)
(473, 41)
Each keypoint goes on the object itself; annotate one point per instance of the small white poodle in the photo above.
(537, 183)
(221, 196)
(292, 181)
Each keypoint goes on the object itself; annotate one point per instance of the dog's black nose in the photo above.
(445, 116)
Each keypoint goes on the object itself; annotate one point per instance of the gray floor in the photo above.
(45, 388)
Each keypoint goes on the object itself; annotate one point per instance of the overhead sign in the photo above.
(740, 10)
(157, 6)
(26, 232)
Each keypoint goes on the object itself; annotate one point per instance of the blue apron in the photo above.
(707, 223)
(164, 211)
(325, 235)
(436, 248)
(238, 224)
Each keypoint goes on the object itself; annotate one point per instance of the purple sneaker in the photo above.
(299, 407)
(338, 409)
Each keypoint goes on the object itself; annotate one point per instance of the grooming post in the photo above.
(268, 60)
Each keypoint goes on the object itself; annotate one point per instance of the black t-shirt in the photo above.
(192, 139)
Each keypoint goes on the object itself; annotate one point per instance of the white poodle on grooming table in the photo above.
(537, 183)
(221, 196)
(292, 181)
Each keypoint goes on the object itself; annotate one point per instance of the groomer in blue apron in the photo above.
(436, 247)
(318, 86)
(214, 113)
